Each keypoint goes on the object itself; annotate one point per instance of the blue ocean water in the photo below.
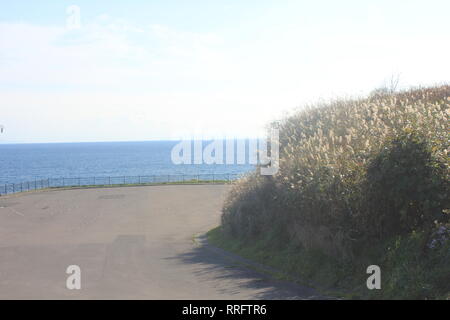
(27, 162)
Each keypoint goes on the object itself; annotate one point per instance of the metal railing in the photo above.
(38, 184)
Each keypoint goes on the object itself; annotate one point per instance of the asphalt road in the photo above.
(130, 243)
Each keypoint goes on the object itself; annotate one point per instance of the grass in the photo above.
(291, 264)
(361, 182)
(405, 275)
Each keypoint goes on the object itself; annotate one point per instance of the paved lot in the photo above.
(130, 243)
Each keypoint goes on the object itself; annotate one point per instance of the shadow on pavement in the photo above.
(235, 274)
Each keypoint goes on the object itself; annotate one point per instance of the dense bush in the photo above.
(351, 173)
(247, 210)
(360, 182)
(405, 188)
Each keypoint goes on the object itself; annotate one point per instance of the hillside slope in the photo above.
(361, 182)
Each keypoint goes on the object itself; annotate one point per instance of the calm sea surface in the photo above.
(26, 162)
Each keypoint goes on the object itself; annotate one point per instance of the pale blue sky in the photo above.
(145, 70)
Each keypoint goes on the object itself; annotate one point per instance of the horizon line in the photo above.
(119, 141)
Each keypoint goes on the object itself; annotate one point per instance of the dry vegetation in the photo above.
(357, 177)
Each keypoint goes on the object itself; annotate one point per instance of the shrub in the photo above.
(247, 210)
(351, 171)
(405, 188)
(354, 176)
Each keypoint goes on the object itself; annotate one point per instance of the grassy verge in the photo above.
(406, 272)
(304, 268)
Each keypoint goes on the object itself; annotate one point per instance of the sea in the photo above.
(29, 162)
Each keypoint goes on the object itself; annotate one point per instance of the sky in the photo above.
(139, 70)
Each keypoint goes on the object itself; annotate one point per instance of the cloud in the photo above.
(158, 81)
(110, 80)
(106, 52)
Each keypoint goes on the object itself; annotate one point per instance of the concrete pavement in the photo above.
(130, 243)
